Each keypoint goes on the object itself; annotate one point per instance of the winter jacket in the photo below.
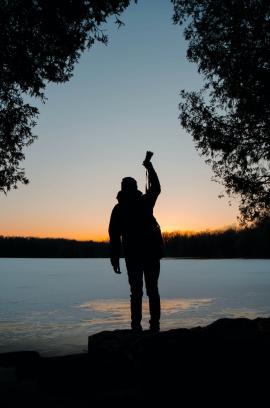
(133, 223)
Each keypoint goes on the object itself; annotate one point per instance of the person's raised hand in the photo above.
(146, 162)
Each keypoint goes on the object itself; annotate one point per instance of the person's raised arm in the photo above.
(154, 184)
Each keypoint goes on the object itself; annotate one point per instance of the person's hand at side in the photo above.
(116, 264)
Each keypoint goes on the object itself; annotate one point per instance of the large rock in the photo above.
(226, 362)
(230, 357)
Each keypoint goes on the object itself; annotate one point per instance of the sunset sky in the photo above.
(95, 130)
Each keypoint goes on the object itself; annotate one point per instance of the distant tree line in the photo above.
(231, 243)
(19, 247)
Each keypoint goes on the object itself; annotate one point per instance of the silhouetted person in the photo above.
(132, 221)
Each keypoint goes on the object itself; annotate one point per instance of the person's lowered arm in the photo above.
(115, 240)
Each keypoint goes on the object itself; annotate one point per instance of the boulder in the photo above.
(224, 363)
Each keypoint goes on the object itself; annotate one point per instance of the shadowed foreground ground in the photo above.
(226, 362)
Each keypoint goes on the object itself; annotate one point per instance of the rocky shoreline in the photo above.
(224, 362)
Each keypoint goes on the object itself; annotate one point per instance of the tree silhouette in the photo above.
(40, 41)
(229, 117)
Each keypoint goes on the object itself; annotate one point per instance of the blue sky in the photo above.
(95, 129)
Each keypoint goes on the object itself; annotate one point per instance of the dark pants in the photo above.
(150, 269)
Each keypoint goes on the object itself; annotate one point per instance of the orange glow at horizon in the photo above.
(101, 237)
(82, 227)
(75, 222)
(57, 234)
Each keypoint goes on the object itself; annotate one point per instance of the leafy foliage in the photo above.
(40, 41)
(229, 117)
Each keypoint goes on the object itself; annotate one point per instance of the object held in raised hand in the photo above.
(148, 156)
(145, 163)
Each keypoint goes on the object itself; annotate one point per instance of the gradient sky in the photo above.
(95, 130)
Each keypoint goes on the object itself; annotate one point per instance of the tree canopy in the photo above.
(40, 42)
(229, 117)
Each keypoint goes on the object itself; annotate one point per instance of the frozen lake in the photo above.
(52, 305)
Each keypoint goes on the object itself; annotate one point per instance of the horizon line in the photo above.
(106, 239)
